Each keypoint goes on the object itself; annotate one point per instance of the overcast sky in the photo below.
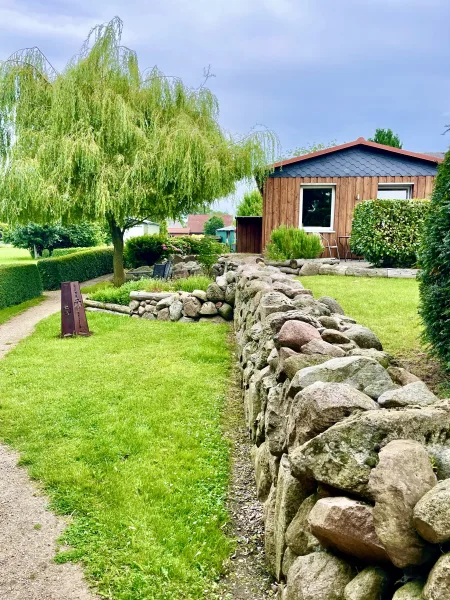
(310, 70)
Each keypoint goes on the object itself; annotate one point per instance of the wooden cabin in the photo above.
(319, 191)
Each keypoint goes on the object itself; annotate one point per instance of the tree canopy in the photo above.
(250, 205)
(386, 137)
(103, 140)
(212, 224)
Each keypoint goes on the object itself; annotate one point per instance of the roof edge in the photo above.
(359, 142)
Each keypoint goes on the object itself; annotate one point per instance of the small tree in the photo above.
(386, 137)
(250, 205)
(103, 141)
(434, 260)
(213, 224)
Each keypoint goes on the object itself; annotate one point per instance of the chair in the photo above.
(329, 247)
(162, 271)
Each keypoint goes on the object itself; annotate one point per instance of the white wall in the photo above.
(142, 229)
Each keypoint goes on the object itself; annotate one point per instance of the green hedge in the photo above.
(19, 283)
(388, 233)
(80, 266)
(66, 251)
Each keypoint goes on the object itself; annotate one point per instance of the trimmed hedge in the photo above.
(66, 251)
(19, 283)
(434, 277)
(388, 233)
(80, 266)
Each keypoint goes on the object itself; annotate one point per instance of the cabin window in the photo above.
(317, 207)
(394, 192)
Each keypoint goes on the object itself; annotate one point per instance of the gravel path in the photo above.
(28, 530)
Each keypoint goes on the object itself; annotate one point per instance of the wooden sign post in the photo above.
(73, 315)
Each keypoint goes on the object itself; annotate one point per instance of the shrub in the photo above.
(75, 267)
(435, 264)
(212, 224)
(67, 251)
(148, 249)
(122, 295)
(19, 283)
(388, 232)
(289, 243)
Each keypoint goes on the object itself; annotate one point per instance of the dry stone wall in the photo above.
(351, 452)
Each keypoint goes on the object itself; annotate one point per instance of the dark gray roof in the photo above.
(358, 161)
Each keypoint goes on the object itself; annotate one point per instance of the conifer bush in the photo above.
(435, 268)
(290, 243)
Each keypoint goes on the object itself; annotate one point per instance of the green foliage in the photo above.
(386, 137)
(435, 265)
(4, 233)
(41, 238)
(124, 431)
(104, 141)
(121, 295)
(19, 283)
(388, 232)
(289, 243)
(149, 249)
(309, 148)
(250, 205)
(67, 251)
(75, 267)
(212, 224)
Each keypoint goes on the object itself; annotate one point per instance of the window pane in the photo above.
(317, 207)
(393, 194)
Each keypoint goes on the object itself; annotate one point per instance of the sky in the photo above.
(311, 71)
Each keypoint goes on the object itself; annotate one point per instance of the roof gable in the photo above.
(196, 223)
(358, 159)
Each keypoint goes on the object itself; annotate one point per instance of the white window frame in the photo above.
(407, 185)
(328, 186)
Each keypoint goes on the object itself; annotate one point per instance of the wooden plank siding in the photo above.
(282, 199)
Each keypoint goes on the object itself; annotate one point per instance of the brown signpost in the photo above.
(73, 315)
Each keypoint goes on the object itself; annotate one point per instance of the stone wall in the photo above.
(348, 450)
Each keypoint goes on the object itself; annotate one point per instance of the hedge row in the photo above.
(75, 267)
(388, 233)
(66, 251)
(19, 283)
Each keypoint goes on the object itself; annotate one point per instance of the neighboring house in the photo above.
(144, 228)
(196, 225)
(319, 191)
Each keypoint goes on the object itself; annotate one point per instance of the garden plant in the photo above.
(290, 243)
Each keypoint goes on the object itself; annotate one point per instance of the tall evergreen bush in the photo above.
(435, 265)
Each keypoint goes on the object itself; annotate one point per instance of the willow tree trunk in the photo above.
(117, 240)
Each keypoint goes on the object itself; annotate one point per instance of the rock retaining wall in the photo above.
(348, 450)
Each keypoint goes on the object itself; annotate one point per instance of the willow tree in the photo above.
(103, 141)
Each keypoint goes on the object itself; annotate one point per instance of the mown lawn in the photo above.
(9, 254)
(124, 431)
(387, 306)
(11, 311)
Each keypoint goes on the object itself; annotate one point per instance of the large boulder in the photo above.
(415, 393)
(318, 576)
(163, 315)
(276, 416)
(403, 475)
(402, 376)
(437, 586)
(264, 471)
(317, 346)
(176, 310)
(364, 337)
(332, 304)
(432, 514)
(208, 309)
(363, 373)
(226, 311)
(412, 590)
(298, 535)
(269, 528)
(214, 293)
(372, 583)
(334, 337)
(274, 302)
(290, 365)
(347, 525)
(344, 455)
(290, 495)
(230, 293)
(191, 307)
(321, 405)
(382, 357)
(329, 322)
(295, 334)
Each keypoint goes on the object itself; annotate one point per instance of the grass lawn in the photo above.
(390, 308)
(387, 306)
(11, 311)
(124, 430)
(9, 254)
